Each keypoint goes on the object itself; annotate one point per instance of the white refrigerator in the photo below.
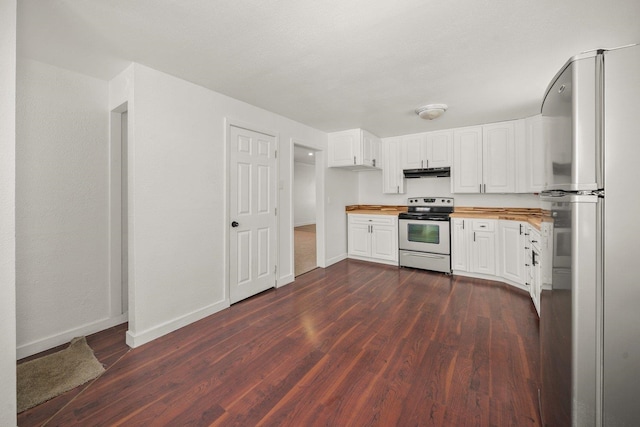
(590, 309)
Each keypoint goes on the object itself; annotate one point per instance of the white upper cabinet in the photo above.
(466, 172)
(439, 149)
(354, 149)
(371, 150)
(414, 151)
(427, 150)
(534, 156)
(485, 158)
(499, 158)
(344, 148)
(392, 176)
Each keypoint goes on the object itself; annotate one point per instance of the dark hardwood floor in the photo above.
(356, 344)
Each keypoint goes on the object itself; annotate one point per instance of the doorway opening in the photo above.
(119, 206)
(304, 209)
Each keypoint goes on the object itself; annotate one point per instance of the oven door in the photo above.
(424, 235)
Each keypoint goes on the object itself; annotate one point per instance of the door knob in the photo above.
(235, 224)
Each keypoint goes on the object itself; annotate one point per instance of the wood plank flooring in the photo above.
(356, 344)
(304, 248)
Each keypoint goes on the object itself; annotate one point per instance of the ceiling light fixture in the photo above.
(431, 111)
(311, 154)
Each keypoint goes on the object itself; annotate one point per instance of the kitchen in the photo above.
(568, 255)
(157, 90)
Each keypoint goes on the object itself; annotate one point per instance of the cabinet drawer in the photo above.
(373, 219)
(483, 225)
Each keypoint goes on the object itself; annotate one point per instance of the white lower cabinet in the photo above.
(535, 266)
(473, 246)
(373, 238)
(459, 246)
(512, 254)
(483, 246)
(510, 251)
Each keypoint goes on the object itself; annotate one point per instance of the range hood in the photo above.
(427, 172)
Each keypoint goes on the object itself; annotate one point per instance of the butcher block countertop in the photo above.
(375, 209)
(533, 216)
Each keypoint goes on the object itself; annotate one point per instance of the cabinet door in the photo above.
(536, 282)
(384, 242)
(459, 247)
(359, 239)
(392, 177)
(534, 155)
(439, 149)
(413, 149)
(483, 246)
(498, 158)
(370, 150)
(344, 148)
(511, 258)
(467, 160)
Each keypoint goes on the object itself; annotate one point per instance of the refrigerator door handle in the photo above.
(599, 136)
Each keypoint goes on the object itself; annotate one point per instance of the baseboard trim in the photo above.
(35, 347)
(304, 223)
(283, 281)
(331, 261)
(137, 339)
(490, 277)
(377, 261)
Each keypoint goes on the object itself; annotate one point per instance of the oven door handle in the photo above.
(418, 220)
(424, 255)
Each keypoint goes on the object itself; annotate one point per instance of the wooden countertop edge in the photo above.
(534, 217)
(375, 209)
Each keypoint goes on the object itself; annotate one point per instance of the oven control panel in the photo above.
(430, 201)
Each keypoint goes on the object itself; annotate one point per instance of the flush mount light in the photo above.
(431, 111)
(311, 154)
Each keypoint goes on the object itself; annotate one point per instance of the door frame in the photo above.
(228, 123)
(116, 164)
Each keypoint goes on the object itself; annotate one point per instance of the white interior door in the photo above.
(252, 213)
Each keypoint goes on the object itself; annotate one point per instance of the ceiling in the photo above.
(338, 64)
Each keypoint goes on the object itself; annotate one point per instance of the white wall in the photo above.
(61, 206)
(370, 192)
(7, 212)
(304, 194)
(177, 181)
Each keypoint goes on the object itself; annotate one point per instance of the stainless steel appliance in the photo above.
(424, 233)
(590, 315)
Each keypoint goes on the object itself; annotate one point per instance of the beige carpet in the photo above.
(49, 376)
(304, 238)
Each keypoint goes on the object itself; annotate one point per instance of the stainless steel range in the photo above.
(425, 234)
